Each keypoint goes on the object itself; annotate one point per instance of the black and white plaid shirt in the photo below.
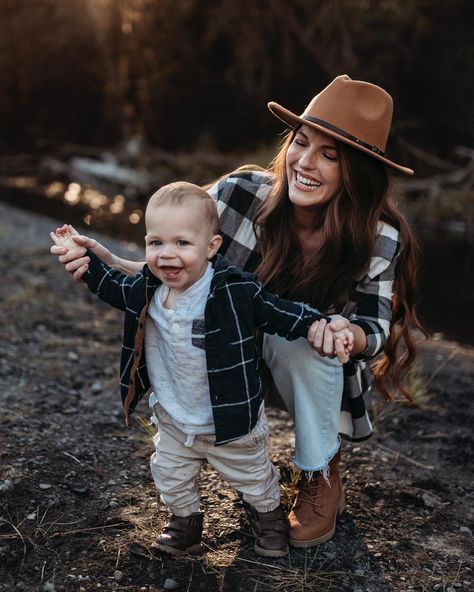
(236, 306)
(238, 197)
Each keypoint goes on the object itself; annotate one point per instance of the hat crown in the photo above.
(358, 108)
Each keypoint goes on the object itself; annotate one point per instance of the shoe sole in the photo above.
(270, 552)
(325, 537)
(193, 550)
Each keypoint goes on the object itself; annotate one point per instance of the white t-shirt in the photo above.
(176, 358)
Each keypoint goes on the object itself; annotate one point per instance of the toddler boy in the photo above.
(190, 319)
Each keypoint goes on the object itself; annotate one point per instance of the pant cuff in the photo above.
(184, 511)
(265, 507)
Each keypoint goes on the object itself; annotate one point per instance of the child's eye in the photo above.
(154, 243)
(182, 243)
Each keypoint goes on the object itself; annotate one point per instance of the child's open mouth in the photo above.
(169, 271)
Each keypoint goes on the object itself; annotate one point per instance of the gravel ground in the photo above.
(77, 507)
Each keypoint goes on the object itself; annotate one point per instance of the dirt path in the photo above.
(77, 506)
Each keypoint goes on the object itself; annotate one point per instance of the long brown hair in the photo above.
(349, 232)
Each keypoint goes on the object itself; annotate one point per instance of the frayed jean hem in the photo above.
(324, 468)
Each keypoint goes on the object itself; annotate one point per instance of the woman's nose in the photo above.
(308, 159)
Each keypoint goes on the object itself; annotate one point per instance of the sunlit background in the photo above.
(103, 101)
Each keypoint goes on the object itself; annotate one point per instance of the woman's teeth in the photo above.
(306, 182)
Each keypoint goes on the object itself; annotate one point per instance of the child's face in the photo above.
(179, 244)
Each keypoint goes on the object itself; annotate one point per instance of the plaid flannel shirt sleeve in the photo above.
(238, 197)
(287, 319)
(370, 303)
(108, 284)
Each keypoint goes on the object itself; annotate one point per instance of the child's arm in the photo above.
(111, 286)
(339, 329)
(286, 318)
(72, 253)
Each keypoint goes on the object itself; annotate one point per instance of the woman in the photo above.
(321, 226)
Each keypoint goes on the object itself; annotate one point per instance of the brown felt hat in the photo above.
(352, 111)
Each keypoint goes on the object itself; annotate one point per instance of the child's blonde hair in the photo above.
(182, 193)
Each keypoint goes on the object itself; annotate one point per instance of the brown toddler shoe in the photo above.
(269, 530)
(182, 536)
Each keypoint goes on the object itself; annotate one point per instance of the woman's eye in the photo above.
(299, 142)
(331, 157)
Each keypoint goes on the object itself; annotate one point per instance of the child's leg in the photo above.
(245, 464)
(175, 468)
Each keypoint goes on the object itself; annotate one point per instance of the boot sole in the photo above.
(192, 550)
(324, 537)
(270, 552)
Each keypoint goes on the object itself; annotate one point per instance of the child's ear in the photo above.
(214, 244)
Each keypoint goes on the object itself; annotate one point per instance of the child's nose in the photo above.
(167, 251)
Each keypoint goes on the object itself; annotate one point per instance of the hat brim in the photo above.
(294, 121)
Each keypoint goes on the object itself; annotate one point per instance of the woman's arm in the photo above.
(75, 260)
(369, 308)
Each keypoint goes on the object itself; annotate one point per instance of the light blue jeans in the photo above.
(311, 388)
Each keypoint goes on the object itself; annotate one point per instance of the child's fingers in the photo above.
(341, 353)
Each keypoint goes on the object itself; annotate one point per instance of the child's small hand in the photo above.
(71, 248)
(334, 339)
(62, 237)
(343, 341)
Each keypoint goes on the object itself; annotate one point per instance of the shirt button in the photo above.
(175, 327)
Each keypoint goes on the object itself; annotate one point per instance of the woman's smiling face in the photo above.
(313, 168)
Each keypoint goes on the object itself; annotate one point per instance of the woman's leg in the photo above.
(311, 388)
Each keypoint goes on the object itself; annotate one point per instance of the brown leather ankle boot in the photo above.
(269, 530)
(182, 536)
(318, 503)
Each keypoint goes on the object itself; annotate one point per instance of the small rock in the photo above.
(6, 485)
(49, 587)
(170, 584)
(114, 504)
(465, 529)
(96, 387)
(72, 356)
(118, 576)
(45, 485)
(437, 586)
(431, 501)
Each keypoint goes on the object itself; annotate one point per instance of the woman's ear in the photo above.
(214, 243)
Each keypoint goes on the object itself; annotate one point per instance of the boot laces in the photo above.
(308, 492)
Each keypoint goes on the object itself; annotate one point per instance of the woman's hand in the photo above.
(334, 339)
(71, 248)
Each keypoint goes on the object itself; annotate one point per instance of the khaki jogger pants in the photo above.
(244, 464)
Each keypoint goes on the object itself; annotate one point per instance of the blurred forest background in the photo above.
(103, 100)
(187, 73)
